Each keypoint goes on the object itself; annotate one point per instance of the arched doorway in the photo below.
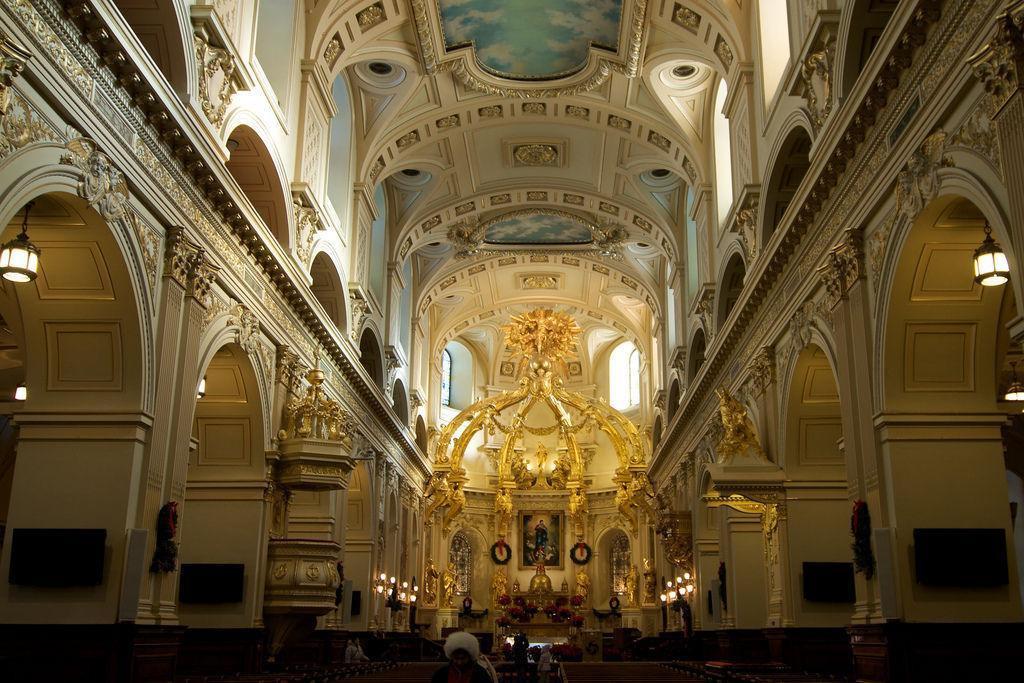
(75, 338)
(328, 290)
(787, 173)
(223, 520)
(252, 167)
(370, 357)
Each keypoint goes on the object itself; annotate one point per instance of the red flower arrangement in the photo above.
(564, 614)
(520, 601)
(576, 600)
(503, 621)
(566, 652)
(578, 620)
(505, 600)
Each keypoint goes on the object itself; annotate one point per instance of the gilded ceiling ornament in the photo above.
(577, 112)
(450, 121)
(540, 282)
(493, 111)
(465, 208)
(408, 140)
(738, 437)
(536, 155)
(573, 199)
(724, 52)
(619, 122)
(466, 237)
(504, 198)
(609, 239)
(686, 17)
(332, 50)
(542, 332)
(536, 196)
(659, 141)
(371, 16)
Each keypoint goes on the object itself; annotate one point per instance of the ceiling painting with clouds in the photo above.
(537, 229)
(531, 38)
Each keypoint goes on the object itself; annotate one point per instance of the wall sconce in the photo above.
(201, 389)
(21, 392)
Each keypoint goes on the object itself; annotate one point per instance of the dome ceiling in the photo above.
(534, 38)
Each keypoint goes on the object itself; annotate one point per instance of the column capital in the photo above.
(1000, 64)
(843, 267)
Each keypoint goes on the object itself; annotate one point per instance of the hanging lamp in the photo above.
(991, 268)
(19, 258)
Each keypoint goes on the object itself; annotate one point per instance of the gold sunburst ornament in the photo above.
(542, 332)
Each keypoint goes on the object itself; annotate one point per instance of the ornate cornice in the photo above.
(844, 265)
(1000, 64)
(183, 163)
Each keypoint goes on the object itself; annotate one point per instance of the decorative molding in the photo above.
(1000, 64)
(217, 84)
(817, 77)
(102, 185)
(307, 225)
(843, 266)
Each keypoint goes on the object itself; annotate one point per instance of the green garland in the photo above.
(587, 552)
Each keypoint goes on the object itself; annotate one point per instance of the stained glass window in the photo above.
(461, 556)
(619, 564)
(446, 378)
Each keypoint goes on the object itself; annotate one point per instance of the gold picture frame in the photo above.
(553, 529)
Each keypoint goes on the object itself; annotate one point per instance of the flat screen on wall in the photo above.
(964, 558)
(829, 582)
(57, 557)
(205, 583)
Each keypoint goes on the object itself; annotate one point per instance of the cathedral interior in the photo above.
(636, 327)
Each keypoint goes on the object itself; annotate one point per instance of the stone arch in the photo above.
(371, 356)
(226, 456)
(260, 179)
(600, 570)
(400, 402)
(329, 290)
(788, 169)
(166, 34)
(696, 355)
(860, 26)
(422, 439)
(730, 287)
(79, 338)
(673, 399)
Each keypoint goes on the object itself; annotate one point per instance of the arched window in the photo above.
(624, 376)
(773, 19)
(723, 154)
(378, 243)
(619, 563)
(275, 27)
(461, 557)
(446, 378)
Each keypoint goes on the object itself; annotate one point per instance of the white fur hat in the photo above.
(460, 640)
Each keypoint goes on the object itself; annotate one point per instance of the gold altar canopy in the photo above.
(542, 340)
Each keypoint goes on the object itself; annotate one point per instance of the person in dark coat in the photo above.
(462, 650)
(520, 650)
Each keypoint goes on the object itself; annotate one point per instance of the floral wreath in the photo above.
(613, 603)
(580, 553)
(501, 545)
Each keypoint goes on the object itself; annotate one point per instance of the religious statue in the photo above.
(448, 585)
(738, 437)
(650, 583)
(456, 502)
(560, 475)
(499, 586)
(641, 492)
(430, 577)
(624, 502)
(578, 509)
(582, 584)
(503, 509)
(632, 587)
(436, 495)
